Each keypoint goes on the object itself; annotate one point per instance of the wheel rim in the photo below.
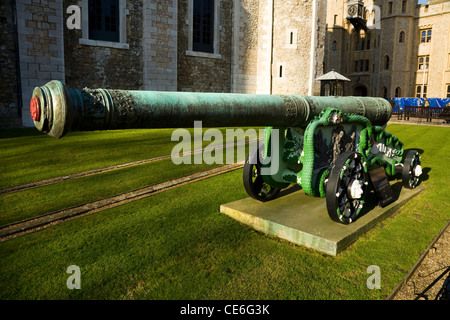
(254, 182)
(346, 188)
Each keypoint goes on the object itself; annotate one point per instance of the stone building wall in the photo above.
(9, 86)
(245, 46)
(160, 45)
(272, 46)
(198, 72)
(41, 51)
(99, 64)
(292, 56)
(403, 56)
(437, 17)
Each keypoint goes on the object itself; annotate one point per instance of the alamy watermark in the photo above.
(74, 281)
(373, 16)
(374, 281)
(74, 20)
(182, 153)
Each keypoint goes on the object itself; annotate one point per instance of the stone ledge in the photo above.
(108, 44)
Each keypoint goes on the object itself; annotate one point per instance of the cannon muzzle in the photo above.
(56, 109)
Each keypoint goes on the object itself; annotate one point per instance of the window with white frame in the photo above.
(204, 28)
(421, 91)
(424, 62)
(425, 35)
(104, 23)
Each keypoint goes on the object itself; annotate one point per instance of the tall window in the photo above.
(386, 63)
(424, 62)
(421, 91)
(333, 46)
(401, 37)
(403, 6)
(362, 42)
(104, 20)
(448, 91)
(390, 5)
(425, 36)
(398, 92)
(203, 26)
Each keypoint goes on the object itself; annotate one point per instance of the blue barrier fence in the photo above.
(399, 104)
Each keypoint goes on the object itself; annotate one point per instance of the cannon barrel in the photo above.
(56, 109)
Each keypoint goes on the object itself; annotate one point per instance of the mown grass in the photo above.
(177, 245)
(28, 155)
(34, 202)
(37, 201)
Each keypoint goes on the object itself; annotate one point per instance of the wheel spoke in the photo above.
(258, 184)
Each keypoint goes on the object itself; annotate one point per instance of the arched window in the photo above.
(398, 92)
(384, 92)
(333, 46)
(386, 62)
(401, 37)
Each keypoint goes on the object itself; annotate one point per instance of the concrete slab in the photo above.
(304, 220)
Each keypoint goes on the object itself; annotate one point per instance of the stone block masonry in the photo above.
(104, 64)
(41, 47)
(199, 71)
(245, 46)
(9, 104)
(160, 45)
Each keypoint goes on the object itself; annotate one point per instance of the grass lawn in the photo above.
(177, 245)
(28, 155)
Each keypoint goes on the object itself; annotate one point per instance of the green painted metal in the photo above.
(63, 108)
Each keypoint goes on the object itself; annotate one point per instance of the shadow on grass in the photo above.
(405, 151)
(371, 200)
(18, 133)
(425, 176)
(291, 189)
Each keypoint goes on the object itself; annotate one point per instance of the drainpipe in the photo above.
(271, 45)
(313, 48)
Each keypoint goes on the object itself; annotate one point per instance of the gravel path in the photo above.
(435, 262)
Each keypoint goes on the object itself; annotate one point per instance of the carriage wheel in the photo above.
(254, 183)
(346, 188)
(412, 170)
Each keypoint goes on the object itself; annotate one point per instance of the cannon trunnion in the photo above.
(333, 147)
